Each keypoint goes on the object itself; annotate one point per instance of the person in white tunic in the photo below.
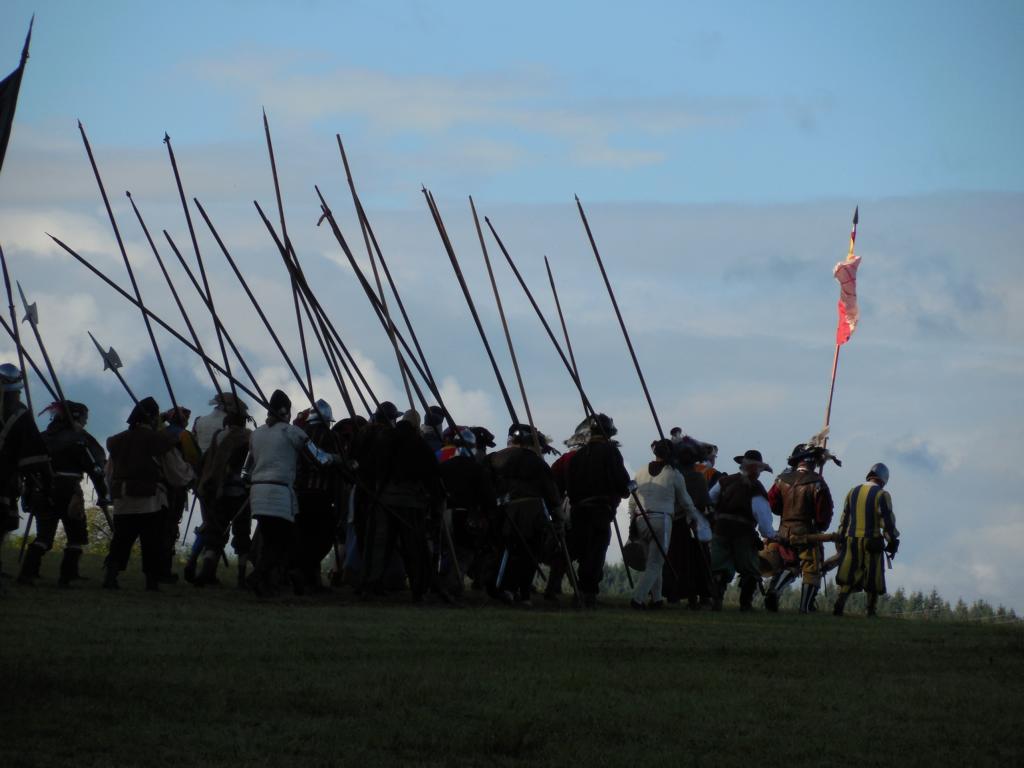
(274, 453)
(662, 493)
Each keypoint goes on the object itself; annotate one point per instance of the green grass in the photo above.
(214, 677)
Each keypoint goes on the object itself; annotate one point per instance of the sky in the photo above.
(719, 151)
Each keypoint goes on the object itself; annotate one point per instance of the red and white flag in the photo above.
(846, 273)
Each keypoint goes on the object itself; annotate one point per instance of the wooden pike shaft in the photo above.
(220, 326)
(152, 315)
(174, 293)
(207, 293)
(439, 223)
(16, 335)
(367, 288)
(255, 303)
(504, 325)
(587, 408)
(425, 367)
(622, 323)
(391, 329)
(287, 243)
(28, 358)
(128, 267)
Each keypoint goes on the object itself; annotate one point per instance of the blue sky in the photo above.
(720, 152)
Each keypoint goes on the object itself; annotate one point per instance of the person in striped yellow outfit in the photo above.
(867, 528)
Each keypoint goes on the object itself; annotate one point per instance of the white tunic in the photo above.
(207, 426)
(273, 457)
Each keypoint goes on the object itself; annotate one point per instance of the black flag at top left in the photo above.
(9, 88)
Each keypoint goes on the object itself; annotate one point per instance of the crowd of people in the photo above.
(398, 503)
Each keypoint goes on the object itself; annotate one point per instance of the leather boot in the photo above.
(30, 565)
(747, 587)
(243, 561)
(806, 597)
(152, 582)
(837, 609)
(110, 577)
(812, 607)
(872, 604)
(69, 567)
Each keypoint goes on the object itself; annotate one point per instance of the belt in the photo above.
(271, 482)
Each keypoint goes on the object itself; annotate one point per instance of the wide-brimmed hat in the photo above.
(752, 457)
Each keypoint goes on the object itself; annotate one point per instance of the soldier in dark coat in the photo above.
(407, 483)
(24, 462)
(316, 489)
(596, 482)
(224, 496)
(144, 465)
(526, 495)
(73, 452)
(741, 508)
(470, 500)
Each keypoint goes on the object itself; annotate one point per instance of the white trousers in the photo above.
(650, 580)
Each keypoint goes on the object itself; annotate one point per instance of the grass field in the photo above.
(213, 677)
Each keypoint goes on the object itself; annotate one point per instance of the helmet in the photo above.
(434, 416)
(322, 409)
(879, 471)
(602, 425)
(11, 379)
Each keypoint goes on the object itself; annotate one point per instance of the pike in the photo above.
(255, 303)
(174, 294)
(576, 373)
(573, 579)
(32, 318)
(206, 293)
(588, 409)
(435, 212)
(430, 380)
(622, 323)
(28, 358)
(304, 292)
(367, 289)
(112, 362)
(364, 225)
(573, 374)
(287, 245)
(643, 384)
(220, 326)
(149, 313)
(14, 324)
(128, 266)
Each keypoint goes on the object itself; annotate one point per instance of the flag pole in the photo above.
(835, 357)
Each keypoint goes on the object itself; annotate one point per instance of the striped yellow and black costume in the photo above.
(867, 524)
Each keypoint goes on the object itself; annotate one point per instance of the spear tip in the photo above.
(167, 138)
(80, 125)
(128, 193)
(856, 214)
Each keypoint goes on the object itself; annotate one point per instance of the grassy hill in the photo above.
(214, 677)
